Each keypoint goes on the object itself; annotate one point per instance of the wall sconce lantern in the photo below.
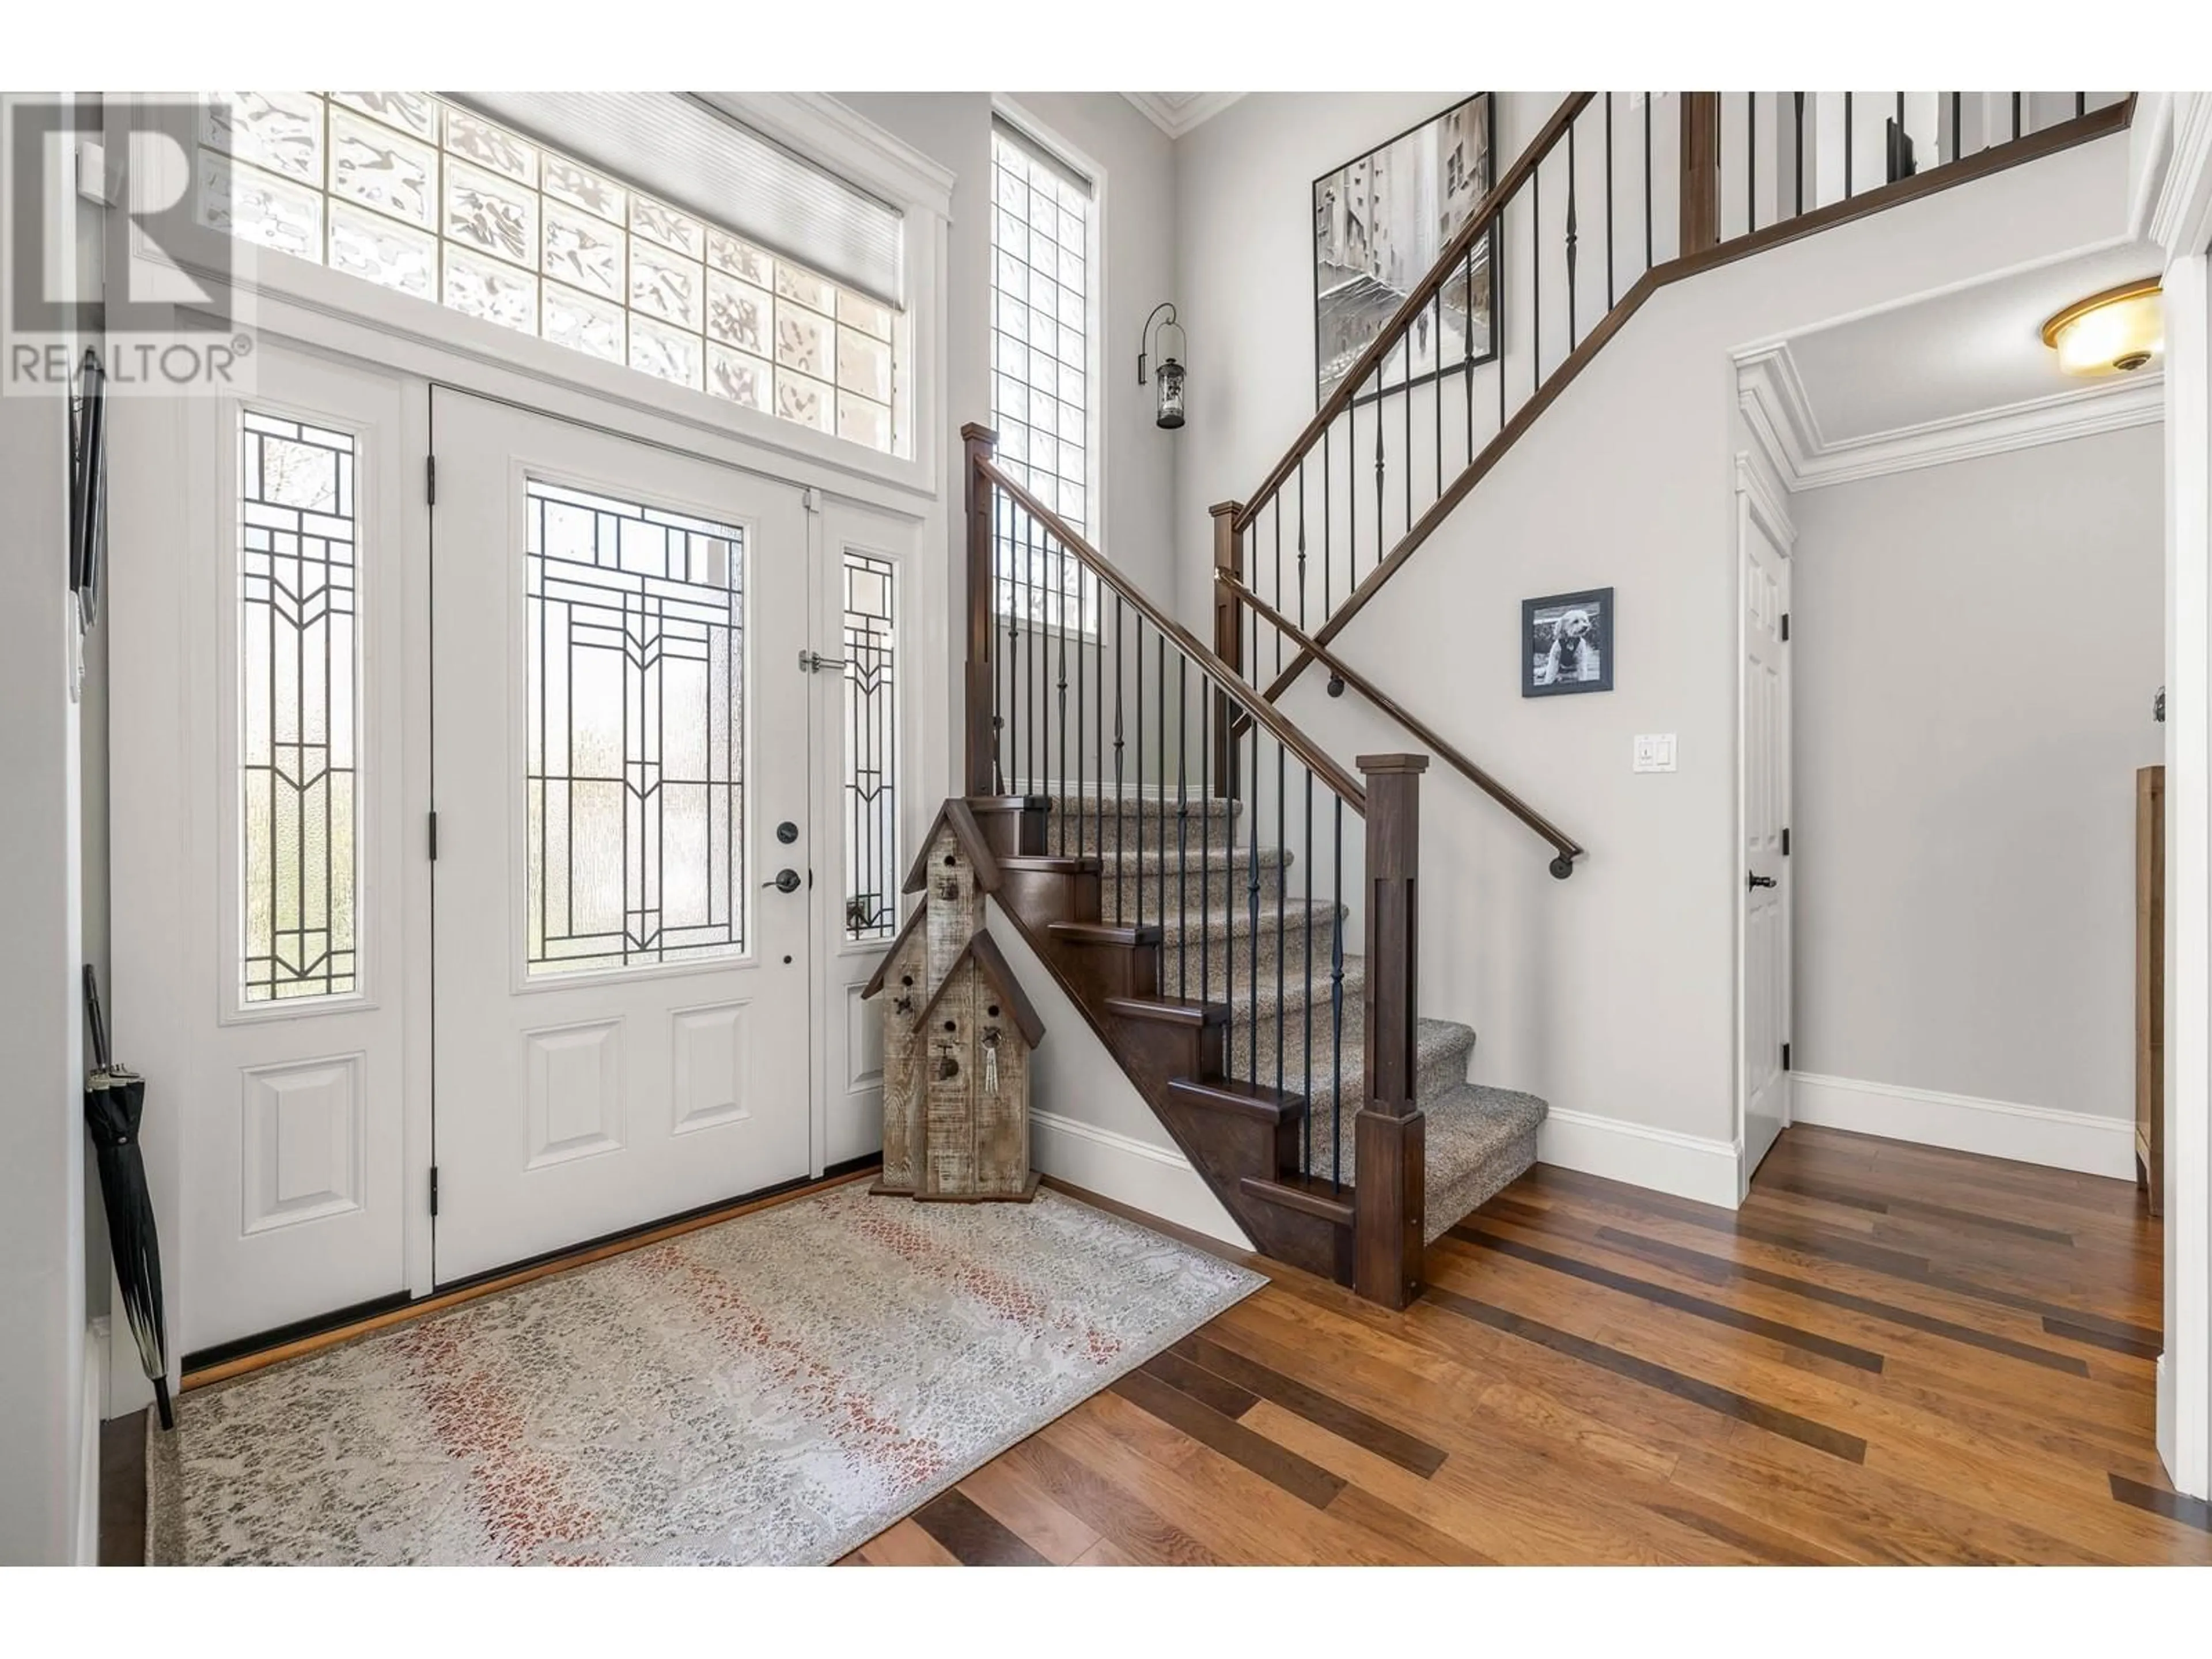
(1169, 373)
(2115, 332)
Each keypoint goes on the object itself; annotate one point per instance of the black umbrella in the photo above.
(114, 1100)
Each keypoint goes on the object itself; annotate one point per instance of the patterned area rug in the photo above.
(777, 1388)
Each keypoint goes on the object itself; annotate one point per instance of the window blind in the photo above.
(673, 146)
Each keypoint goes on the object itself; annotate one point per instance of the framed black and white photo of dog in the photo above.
(1567, 643)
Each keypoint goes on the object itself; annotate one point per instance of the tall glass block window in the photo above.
(1041, 332)
(298, 701)
(407, 190)
(635, 781)
(870, 797)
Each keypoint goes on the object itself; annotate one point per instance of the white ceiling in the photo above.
(1965, 353)
(1176, 113)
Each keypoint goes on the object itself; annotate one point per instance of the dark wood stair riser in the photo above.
(1111, 961)
(1050, 889)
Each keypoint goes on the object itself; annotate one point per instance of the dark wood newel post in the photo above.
(1701, 171)
(1228, 634)
(1387, 1193)
(981, 444)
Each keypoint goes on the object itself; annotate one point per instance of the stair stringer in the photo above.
(1240, 1140)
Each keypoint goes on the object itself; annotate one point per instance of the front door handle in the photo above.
(1751, 881)
(786, 881)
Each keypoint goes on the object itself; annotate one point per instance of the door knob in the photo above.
(786, 881)
(1751, 881)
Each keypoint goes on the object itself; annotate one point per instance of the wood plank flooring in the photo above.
(1891, 1353)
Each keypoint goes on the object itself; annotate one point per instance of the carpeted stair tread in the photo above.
(1477, 1140)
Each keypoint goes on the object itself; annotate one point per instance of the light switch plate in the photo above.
(1654, 752)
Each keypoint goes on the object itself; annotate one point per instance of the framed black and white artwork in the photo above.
(1380, 221)
(1567, 643)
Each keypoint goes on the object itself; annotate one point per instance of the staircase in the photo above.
(1231, 909)
(1193, 868)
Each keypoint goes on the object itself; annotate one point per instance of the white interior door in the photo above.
(1763, 934)
(292, 1103)
(619, 731)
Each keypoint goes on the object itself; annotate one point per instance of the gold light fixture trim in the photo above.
(2114, 332)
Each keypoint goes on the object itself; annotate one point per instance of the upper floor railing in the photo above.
(1616, 194)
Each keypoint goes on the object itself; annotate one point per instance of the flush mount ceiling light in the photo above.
(2115, 332)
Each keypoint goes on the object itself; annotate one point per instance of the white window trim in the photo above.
(1046, 136)
(266, 285)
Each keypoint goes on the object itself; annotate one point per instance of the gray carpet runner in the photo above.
(1187, 868)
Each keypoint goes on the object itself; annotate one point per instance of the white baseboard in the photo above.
(1964, 1123)
(93, 1404)
(1688, 1166)
(1157, 1179)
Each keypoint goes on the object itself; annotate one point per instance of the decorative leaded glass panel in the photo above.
(871, 860)
(635, 779)
(298, 693)
(415, 194)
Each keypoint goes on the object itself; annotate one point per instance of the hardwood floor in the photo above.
(1891, 1353)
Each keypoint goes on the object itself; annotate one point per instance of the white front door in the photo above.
(1764, 893)
(619, 757)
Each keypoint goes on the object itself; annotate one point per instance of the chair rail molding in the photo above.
(1779, 412)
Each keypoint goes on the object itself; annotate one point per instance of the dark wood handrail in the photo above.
(1568, 848)
(1424, 290)
(2081, 130)
(1225, 679)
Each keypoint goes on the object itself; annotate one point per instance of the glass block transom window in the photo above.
(635, 781)
(297, 708)
(1041, 329)
(409, 191)
(873, 872)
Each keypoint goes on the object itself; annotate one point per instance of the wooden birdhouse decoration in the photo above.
(957, 1032)
(975, 1037)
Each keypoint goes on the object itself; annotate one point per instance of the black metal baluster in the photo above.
(1467, 355)
(1436, 392)
(1336, 1014)
(1160, 737)
(1381, 541)
(1327, 530)
(998, 703)
(1750, 162)
(1536, 277)
(2016, 115)
(1121, 869)
(2080, 105)
(1276, 502)
(1847, 146)
(1302, 543)
(1081, 634)
(1800, 98)
(1029, 675)
(1207, 700)
(1182, 818)
(1647, 181)
(1608, 203)
(1570, 236)
(1139, 677)
(1407, 378)
(1281, 853)
(1252, 887)
(1958, 129)
(1305, 1075)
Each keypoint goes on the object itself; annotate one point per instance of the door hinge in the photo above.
(433, 837)
(1785, 841)
(430, 479)
(1785, 1065)
(434, 1190)
(1785, 628)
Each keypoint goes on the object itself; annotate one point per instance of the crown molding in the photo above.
(1176, 114)
(2181, 217)
(1787, 433)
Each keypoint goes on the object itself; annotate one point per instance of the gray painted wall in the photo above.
(1613, 993)
(1977, 646)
